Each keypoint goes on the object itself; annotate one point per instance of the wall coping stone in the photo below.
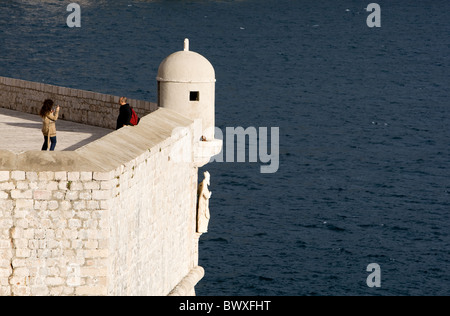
(107, 153)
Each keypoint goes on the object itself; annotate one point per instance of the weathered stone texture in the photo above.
(115, 217)
(76, 105)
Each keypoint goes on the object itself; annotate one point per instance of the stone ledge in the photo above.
(154, 132)
(187, 285)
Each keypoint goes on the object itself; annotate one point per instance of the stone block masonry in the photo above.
(76, 105)
(115, 217)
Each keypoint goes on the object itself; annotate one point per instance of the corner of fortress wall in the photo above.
(115, 217)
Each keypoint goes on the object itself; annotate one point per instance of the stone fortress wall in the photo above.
(79, 106)
(115, 217)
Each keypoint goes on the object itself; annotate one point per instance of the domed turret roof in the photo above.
(186, 66)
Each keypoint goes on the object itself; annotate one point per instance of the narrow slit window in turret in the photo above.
(194, 96)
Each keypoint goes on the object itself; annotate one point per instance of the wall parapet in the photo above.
(105, 154)
(78, 106)
(115, 217)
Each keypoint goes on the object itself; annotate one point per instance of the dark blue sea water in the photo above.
(363, 114)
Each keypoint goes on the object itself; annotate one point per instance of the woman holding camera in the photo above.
(49, 116)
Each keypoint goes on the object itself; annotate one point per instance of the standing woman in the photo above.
(49, 117)
(124, 113)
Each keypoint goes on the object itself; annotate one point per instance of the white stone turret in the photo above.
(186, 84)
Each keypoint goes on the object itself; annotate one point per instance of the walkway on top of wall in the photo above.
(156, 132)
(21, 132)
